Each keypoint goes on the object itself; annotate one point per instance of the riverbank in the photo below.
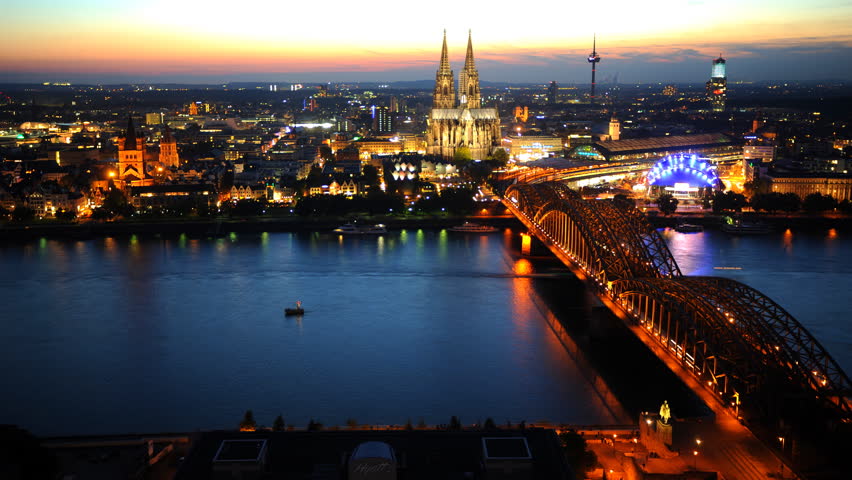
(778, 223)
(223, 226)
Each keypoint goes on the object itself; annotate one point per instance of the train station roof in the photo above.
(656, 144)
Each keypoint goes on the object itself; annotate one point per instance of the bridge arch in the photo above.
(725, 332)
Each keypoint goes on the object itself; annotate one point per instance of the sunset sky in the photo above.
(219, 41)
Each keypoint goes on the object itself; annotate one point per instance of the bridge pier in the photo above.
(531, 246)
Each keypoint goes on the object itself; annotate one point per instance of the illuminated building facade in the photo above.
(382, 122)
(528, 148)
(463, 124)
(168, 150)
(838, 186)
(131, 156)
(717, 86)
(614, 129)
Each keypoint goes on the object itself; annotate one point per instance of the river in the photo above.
(147, 334)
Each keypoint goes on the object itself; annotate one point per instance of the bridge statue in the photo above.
(665, 412)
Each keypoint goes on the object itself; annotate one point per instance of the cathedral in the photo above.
(458, 119)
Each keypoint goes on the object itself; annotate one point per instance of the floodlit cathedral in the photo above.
(465, 123)
(131, 157)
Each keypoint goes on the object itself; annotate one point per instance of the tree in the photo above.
(370, 175)
(500, 157)
(247, 424)
(115, 202)
(22, 214)
(325, 152)
(623, 201)
(314, 426)
(462, 156)
(667, 204)
(581, 459)
(728, 201)
(278, 425)
(478, 172)
(817, 202)
(4, 213)
(66, 215)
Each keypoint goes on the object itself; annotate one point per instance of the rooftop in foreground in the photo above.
(532, 453)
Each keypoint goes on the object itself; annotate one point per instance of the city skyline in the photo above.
(663, 41)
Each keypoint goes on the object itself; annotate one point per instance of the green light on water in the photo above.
(182, 240)
(264, 239)
(134, 239)
(233, 236)
(42, 243)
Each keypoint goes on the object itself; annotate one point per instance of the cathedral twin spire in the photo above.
(468, 87)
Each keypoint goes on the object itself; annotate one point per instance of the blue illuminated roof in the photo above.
(683, 169)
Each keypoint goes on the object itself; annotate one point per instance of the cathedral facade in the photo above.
(457, 118)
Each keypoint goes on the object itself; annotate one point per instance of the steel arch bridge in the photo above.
(737, 341)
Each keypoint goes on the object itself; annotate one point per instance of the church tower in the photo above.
(465, 126)
(469, 79)
(444, 96)
(614, 128)
(168, 149)
(131, 155)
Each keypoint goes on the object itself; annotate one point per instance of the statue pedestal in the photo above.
(664, 433)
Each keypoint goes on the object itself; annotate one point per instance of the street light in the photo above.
(695, 459)
(781, 439)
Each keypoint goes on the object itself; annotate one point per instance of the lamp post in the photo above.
(781, 439)
(695, 453)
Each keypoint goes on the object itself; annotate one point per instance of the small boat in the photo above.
(688, 228)
(738, 227)
(352, 229)
(470, 227)
(295, 311)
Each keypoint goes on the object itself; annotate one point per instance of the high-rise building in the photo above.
(594, 59)
(464, 125)
(382, 122)
(717, 86)
(552, 93)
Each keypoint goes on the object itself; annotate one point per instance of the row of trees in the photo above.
(771, 202)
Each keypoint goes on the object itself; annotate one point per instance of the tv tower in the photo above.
(594, 58)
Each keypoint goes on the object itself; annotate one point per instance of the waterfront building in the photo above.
(838, 186)
(165, 196)
(460, 122)
(717, 86)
